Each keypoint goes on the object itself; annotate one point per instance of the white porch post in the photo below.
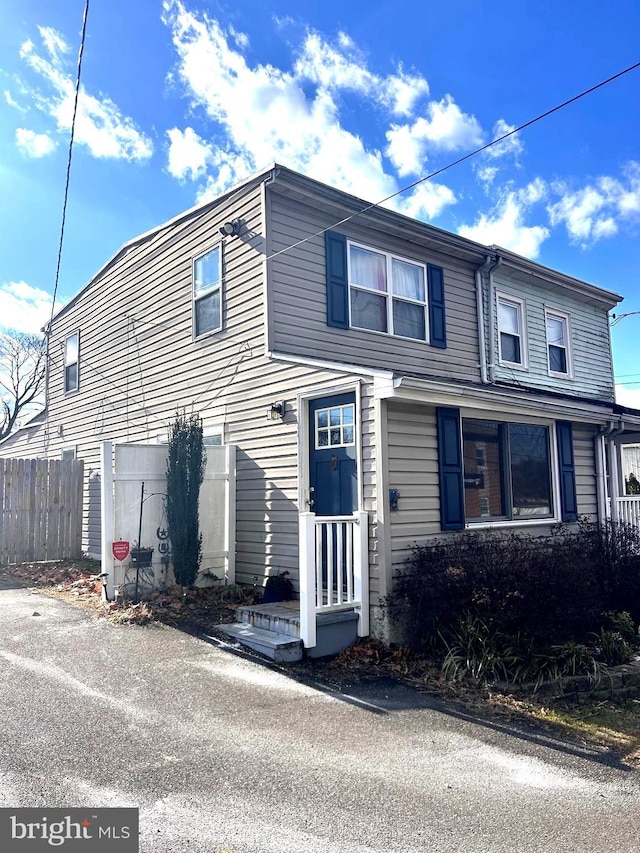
(106, 511)
(361, 564)
(307, 562)
(614, 481)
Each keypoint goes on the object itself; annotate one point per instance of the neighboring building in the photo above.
(423, 379)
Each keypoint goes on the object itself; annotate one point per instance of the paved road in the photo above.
(221, 753)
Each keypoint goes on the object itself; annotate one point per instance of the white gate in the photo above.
(134, 491)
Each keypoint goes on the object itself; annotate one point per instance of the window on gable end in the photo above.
(71, 362)
(511, 332)
(207, 292)
(558, 352)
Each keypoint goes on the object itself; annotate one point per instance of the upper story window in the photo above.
(387, 294)
(511, 331)
(71, 362)
(507, 470)
(207, 292)
(559, 357)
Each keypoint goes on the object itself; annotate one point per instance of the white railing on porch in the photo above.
(629, 510)
(334, 569)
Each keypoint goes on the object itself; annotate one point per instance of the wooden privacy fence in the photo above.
(40, 510)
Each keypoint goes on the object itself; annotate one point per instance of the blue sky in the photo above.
(183, 98)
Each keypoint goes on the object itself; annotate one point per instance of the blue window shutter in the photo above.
(568, 500)
(450, 469)
(337, 283)
(437, 318)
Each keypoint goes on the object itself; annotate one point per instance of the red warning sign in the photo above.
(120, 550)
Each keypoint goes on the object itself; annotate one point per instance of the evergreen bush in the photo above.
(185, 473)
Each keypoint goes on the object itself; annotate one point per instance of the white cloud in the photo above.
(505, 225)
(511, 145)
(597, 210)
(188, 154)
(290, 116)
(325, 65)
(275, 120)
(447, 128)
(28, 307)
(34, 144)
(427, 201)
(403, 91)
(100, 125)
(629, 397)
(487, 174)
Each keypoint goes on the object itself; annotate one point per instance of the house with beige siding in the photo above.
(383, 382)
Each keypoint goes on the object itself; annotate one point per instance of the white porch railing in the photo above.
(334, 569)
(629, 510)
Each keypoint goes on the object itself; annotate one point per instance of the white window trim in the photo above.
(388, 294)
(65, 365)
(213, 289)
(521, 305)
(71, 448)
(566, 318)
(554, 464)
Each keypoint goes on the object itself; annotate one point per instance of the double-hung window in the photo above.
(207, 292)
(387, 293)
(558, 353)
(507, 471)
(71, 362)
(511, 331)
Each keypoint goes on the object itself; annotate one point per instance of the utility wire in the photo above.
(68, 176)
(459, 160)
(64, 215)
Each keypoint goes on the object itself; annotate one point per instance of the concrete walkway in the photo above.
(221, 753)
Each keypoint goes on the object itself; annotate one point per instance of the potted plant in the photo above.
(141, 556)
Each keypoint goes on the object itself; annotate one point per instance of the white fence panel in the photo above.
(134, 478)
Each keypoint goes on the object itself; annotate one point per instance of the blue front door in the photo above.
(333, 467)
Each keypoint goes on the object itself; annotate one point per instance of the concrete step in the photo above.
(278, 647)
(282, 617)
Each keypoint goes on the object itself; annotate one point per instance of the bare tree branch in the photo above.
(22, 374)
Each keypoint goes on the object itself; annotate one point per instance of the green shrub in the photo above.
(510, 605)
(185, 472)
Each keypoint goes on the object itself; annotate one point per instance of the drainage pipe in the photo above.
(492, 318)
(482, 344)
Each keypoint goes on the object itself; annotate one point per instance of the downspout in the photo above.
(492, 318)
(482, 344)
(268, 326)
(604, 509)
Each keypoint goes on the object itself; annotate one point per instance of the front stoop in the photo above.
(273, 630)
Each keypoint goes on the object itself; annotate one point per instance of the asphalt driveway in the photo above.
(221, 753)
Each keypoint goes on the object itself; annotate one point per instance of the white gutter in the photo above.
(492, 319)
(480, 313)
(336, 366)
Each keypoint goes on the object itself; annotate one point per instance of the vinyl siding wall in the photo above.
(413, 469)
(298, 293)
(590, 347)
(139, 365)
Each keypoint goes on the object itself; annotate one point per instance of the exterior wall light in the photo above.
(231, 229)
(276, 410)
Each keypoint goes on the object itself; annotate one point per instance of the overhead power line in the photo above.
(462, 159)
(71, 136)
